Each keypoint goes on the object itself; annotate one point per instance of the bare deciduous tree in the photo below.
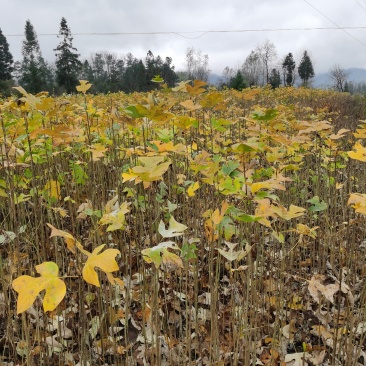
(227, 75)
(252, 69)
(197, 64)
(268, 54)
(339, 78)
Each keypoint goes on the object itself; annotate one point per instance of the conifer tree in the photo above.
(34, 71)
(6, 59)
(6, 64)
(274, 79)
(288, 67)
(68, 64)
(306, 70)
(237, 82)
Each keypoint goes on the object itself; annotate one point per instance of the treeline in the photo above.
(262, 67)
(111, 73)
(107, 72)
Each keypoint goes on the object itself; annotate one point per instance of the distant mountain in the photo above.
(214, 79)
(323, 80)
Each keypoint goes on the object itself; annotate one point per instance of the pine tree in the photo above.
(34, 71)
(6, 65)
(237, 82)
(167, 72)
(6, 59)
(68, 64)
(288, 67)
(306, 70)
(274, 79)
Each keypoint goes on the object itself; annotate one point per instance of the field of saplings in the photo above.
(185, 226)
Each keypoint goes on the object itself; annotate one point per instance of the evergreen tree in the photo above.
(237, 82)
(288, 67)
(156, 66)
(6, 65)
(274, 79)
(86, 72)
(130, 82)
(167, 72)
(306, 70)
(6, 59)
(152, 69)
(68, 64)
(34, 71)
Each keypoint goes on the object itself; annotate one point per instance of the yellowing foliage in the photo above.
(29, 288)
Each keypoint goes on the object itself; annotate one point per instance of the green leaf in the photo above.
(136, 111)
(268, 115)
(317, 205)
(171, 206)
(155, 254)
(21, 198)
(230, 167)
(247, 218)
(189, 249)
(157, 79)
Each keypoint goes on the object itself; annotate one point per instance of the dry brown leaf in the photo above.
(317, 289)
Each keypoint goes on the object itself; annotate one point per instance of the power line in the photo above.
(338, 26)
(204, 32)
(360, 5)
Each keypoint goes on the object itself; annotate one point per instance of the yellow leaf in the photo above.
(152, 169)
(188, 104)
(104, 261)
(169, 257)
(111, 205)
(130, 176)
(53, 189)
(196, 89)
(361, 132)
(71, 242)
(358, 202)
(98, 151)
(61, 211)
(84, 86)
(30, 99)
(115, 219)
(115, 280)
(29, 288)
(264, 210)
(306, 230)
(291, 213)
(181, 86)
(255, 187)
(192, 188)
(341, 133)
(359, 153)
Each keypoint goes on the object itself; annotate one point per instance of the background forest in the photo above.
(109, 72)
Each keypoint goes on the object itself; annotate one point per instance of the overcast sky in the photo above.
(326, 47)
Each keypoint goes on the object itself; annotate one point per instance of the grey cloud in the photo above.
(224, 49)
